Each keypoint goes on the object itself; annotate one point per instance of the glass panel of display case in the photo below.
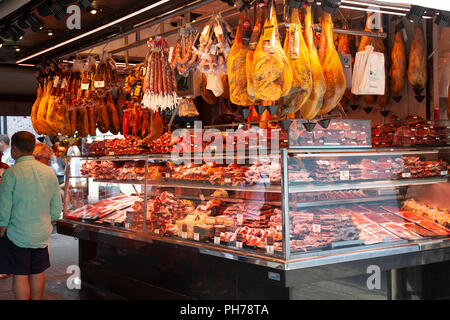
(348, 199)
(232, 205)
(102, 191)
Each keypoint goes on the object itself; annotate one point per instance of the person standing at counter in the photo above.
(30, 202)
(6, 150)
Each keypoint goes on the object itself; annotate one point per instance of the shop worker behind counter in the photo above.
(30, 201)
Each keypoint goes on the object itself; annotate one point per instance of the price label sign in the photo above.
(269, 244)
(239, 240)
(156, 231)
(444, 172)
(85, 86)
(406, 174)
(344, 173)
(316, 228)
(99, 82)
(217, 237)
(227, 177)
(240, 219)
(279, 227)
(184, 231)
(266, 180)
(196, 233)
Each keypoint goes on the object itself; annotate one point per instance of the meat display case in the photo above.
(282, 222)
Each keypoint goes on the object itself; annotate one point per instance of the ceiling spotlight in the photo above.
(330, 6)
(415, 14)
(17, 49)
(1, 43)
(35, 22)
(443, 19)
(50, 33)
(93, 11)
(84, 3)
(16, 33)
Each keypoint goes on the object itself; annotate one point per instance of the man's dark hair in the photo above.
(24, 141)
(4, 138)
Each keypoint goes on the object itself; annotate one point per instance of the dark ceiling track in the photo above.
(141, 26)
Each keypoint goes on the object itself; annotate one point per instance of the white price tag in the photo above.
(344, 175)
(227, 180)
(444, 173)
(205, 30)
(99, 84)
(240, 219)
(316, 228)
(85, 86)
(217, 240)
(269, 249)
(196, 236)
(157, 231)
(406, 174)
(184, 234)
(238, 244)
(266, 180)
(279, 228)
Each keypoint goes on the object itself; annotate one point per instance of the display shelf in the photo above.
(303, 187)
(195, 185)
(324, 203)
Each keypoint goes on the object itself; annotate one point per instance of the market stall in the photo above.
(265, 150)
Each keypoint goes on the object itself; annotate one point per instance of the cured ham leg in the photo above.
(296, 50)
(398, 68)
(417, 67)
(314, 103)
(331, 65)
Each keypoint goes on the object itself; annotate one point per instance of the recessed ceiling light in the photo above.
(17, 49)
(1, 43)
(50, 33)
(93, 11)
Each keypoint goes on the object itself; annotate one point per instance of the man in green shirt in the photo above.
(29, 202)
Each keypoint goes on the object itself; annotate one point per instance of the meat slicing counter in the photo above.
(297, 224)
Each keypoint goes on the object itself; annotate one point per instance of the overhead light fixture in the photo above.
(50, 33)
(84, 3)
(443, 19)
(15, 33)
(330, 6)
(35, 22)
(17, 49)
(81, 36)
(415, 14)
(93, 11)
(1, 43)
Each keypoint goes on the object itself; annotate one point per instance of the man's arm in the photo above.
(55, 202)
(6, 197)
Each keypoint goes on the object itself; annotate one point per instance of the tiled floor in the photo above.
(63, 253)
